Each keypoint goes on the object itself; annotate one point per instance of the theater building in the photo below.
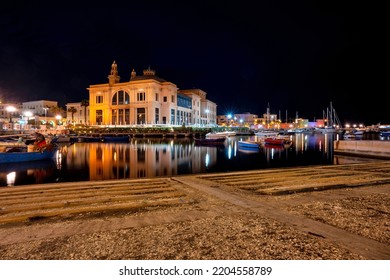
(147, 100)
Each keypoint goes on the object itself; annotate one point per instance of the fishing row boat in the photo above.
(104, 138)
(266, 133)
(220, 134)
(22, 154)
(248, 144)
(210, 141)
(276, 141)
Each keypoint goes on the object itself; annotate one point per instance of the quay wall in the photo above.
(364, 148)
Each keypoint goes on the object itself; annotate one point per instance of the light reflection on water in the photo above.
(148, 158)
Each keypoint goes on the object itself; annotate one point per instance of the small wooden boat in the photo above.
(89, 139)
(116, 138)
(23, 155)
(60, 139)
(266, 133)
(220, 134)
(276, 141)
(275, 147)
(384, 133)
(4, 146)
(210, 141)
(254, 145)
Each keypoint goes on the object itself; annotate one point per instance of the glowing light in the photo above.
(11, 178)
(11, 109)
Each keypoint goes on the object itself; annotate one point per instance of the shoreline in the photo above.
(302, 213)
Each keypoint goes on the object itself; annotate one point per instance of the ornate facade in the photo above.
(147, 100)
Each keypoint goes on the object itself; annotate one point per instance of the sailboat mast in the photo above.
(331, 113)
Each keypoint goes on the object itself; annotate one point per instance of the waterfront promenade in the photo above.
(336, 212)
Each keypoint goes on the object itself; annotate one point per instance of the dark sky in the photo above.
(296, 56)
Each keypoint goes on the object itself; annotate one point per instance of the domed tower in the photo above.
(149, 72)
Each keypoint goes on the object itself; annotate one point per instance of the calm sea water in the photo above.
(149, 158)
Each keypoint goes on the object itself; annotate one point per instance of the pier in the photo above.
(363, 148)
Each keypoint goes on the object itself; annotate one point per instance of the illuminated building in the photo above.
(147, 100)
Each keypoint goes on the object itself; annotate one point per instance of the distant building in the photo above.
(6, 114)
(77, 113)
(39, 107)
(204, 111)
(10, 115)
(147, 100)
(244, 119)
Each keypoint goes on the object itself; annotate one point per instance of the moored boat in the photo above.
(274, 147)
(220, 134)
(116, 138)
(354, 134)
(210, 141)
(276, 141)
(23, 155)
(89, 139)
(384, 133)
(266, 133)
(248, 144)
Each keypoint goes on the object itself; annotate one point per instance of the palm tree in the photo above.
(72, 110)
(56, 110)
(85, 104)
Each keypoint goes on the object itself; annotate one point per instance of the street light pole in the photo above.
(45, 108)
(11, 110)
(28, 114)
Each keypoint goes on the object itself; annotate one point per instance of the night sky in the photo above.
(296, 56)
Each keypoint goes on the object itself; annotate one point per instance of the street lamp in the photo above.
(229, 116)
(45, 108)
(28, 114)
(58, 118)
(11, 110)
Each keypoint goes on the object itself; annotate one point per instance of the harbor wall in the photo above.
(364, 148)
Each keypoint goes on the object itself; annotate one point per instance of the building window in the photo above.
(165, 99)
(99, 99)
(156, 115)
(99, 117)
(141, 96)
(173, 99)
(156, 96)
(121, 97)
(120, 117)
(172, 116)
(141, 117)
(127, 116)
(114, 116)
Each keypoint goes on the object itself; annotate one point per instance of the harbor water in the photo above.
(150, 158)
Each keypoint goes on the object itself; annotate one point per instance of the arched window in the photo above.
(120, 98)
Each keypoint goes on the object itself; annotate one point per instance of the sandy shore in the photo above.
(323, 212)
